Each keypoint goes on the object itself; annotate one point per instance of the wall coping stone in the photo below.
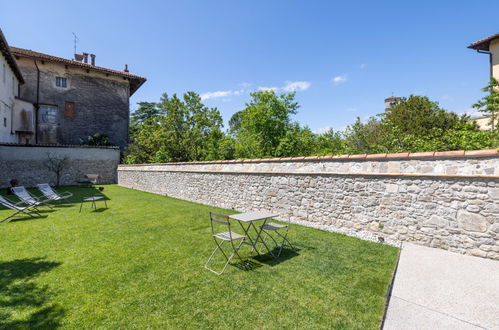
(401, 155)
(5, 144)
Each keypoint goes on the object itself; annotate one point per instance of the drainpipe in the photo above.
(37, 106)
(490, 58)
(492, 115)
(12, 118)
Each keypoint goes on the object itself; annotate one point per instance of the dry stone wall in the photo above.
(444, 201)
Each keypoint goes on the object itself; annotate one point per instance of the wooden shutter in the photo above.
(69, 109)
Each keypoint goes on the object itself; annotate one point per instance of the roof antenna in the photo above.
(75, 41)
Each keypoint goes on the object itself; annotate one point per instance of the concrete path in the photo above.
(437, 289)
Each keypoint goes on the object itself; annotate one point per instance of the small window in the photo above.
(48, 114)
(4, 122)
(61, 82)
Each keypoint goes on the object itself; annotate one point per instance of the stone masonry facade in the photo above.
(419, 203)
(101, 105)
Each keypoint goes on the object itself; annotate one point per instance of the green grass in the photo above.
(139, 264)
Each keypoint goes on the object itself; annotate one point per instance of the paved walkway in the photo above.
(437, 289)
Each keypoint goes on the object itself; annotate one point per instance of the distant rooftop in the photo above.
(5, 50)
(483, 44)
(135, 81)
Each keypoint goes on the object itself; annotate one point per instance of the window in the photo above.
(61, 82)
(4, 122)
(48, 114)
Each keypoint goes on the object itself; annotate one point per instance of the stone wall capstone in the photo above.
(446, 201)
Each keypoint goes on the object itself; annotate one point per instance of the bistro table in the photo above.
(247, 221)
(93, 199)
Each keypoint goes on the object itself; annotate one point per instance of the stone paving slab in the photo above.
(438, 289)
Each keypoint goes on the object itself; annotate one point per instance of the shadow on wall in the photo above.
(19, 295)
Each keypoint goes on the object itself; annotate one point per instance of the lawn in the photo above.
(139, 264)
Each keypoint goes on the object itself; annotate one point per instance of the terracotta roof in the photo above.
(5, 50)
(135, 81)
(393, 98)
(483, 44)
(400, 155)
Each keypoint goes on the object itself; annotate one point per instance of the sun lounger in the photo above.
(51, 194)
(28, 210)
(28, 198)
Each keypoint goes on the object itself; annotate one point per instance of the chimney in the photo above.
(92, 56)
(78, 57)
(85, 57)
(126, 68)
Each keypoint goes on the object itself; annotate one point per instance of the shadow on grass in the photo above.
(285, 255)
(247, 265)
(100, 209)
(19, 295)
(26, 218)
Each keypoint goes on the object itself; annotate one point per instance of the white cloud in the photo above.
(445, 97)
(472, 112)
(325, 129)
(322, 130)
(339, 79)
(292, 86)
(354, 109)
(275, 89)
(217, 94)
(363, 66)
(289, 86)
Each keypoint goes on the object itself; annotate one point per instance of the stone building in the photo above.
(16, 115)
(488, 46)
(75, 99)
(391, 102)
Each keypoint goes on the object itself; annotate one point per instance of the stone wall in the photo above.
(446, 200)
(27, 164)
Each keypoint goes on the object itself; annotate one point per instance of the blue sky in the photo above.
(342, 58)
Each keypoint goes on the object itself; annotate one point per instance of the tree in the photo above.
(147, 111)
(489, 104)
(330, 143)
(261, 126)
(417, 115)
(56, 164)
(98, 139)
(175, 129)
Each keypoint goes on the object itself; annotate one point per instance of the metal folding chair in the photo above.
(220, 220)
(277, 228)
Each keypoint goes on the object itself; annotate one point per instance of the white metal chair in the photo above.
(28, 210)
(220, 220)
(281, 233)
(28, 198)
(51, 194)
